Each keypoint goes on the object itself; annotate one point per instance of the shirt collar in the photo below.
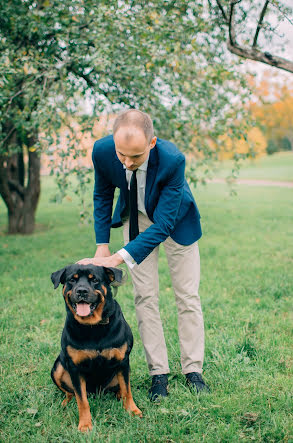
(142, 167)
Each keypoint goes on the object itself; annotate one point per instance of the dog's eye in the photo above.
(94, 280)
(72, 280)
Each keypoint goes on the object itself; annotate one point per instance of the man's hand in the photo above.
(109, 262)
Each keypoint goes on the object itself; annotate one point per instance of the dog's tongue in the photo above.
(83, 309)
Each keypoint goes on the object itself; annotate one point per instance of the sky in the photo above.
(280, 46)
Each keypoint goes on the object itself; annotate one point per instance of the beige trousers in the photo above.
(184, 265)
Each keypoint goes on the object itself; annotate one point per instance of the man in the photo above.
(155, 206)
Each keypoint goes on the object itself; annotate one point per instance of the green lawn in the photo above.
(278, 166)
(246, 293)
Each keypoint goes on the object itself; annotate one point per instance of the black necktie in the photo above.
(133, 210)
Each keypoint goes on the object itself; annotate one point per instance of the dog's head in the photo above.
(87, 291)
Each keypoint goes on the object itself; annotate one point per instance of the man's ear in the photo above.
(153, 142)
(116, 276)
(58, 277)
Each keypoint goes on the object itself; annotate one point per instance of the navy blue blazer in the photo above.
(169, 202)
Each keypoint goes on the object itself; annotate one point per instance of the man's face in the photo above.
(132, 147)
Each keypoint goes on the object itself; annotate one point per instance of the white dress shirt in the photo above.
(141, 182)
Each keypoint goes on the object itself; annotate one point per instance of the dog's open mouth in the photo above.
(84, 309)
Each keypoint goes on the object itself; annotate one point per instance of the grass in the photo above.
(278, 167)
(246, 286)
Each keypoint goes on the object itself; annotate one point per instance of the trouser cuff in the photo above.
(159, 372)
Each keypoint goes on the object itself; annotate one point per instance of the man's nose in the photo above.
(128, 162)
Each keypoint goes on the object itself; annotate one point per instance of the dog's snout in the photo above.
(82, 292)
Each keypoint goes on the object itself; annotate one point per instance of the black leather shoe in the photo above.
(159, 387)
(195, 380)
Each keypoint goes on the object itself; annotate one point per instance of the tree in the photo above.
(272, 109)
(254, 138)
(247, 22)
(165, 57)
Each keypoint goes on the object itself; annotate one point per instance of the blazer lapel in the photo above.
(151, 174)
(123, 183)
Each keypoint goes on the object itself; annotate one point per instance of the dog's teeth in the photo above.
(93, 307)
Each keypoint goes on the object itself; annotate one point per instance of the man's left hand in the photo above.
(109, 262)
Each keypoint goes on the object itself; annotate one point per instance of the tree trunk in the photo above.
(21, 200)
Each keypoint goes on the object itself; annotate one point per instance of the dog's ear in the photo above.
(116, 276)
(58, 277)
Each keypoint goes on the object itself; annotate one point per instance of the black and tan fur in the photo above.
(95, 348)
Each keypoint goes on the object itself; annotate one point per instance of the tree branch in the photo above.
(15, 95)
(259, 25)
(232, 34)
(222, 11)
(251, 52)
(85, 25)
(4, 187)
(259, 56)
(9, 134)
(34, 166)
(15, 186)
(87, 78)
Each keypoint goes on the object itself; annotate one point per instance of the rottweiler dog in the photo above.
(96, 339)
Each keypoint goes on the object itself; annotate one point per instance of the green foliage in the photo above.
(283, 145)
(286, 144)
(272, 147)
(246, 292)
(59, 56)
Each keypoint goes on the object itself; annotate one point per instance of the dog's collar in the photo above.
(104, 322)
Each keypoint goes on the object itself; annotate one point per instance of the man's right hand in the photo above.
(102, 251)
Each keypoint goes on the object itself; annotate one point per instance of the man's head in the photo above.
(134, 138)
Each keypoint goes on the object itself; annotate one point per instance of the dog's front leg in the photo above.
(125, 393)
(85, 418)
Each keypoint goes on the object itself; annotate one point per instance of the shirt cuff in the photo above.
(127, 258)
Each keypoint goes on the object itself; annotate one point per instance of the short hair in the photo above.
(137, 119)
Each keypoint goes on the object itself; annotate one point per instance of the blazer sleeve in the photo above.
(103, 199)
(164, 216)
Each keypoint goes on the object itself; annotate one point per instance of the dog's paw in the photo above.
(85, 426)
(137, 412)
(66, 400)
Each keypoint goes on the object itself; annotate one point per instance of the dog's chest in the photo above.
(91, 358)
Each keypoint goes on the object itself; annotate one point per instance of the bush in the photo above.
(272, 147)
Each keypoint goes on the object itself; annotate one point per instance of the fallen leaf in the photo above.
(250, 418)
(183, 412)
(31, 411)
